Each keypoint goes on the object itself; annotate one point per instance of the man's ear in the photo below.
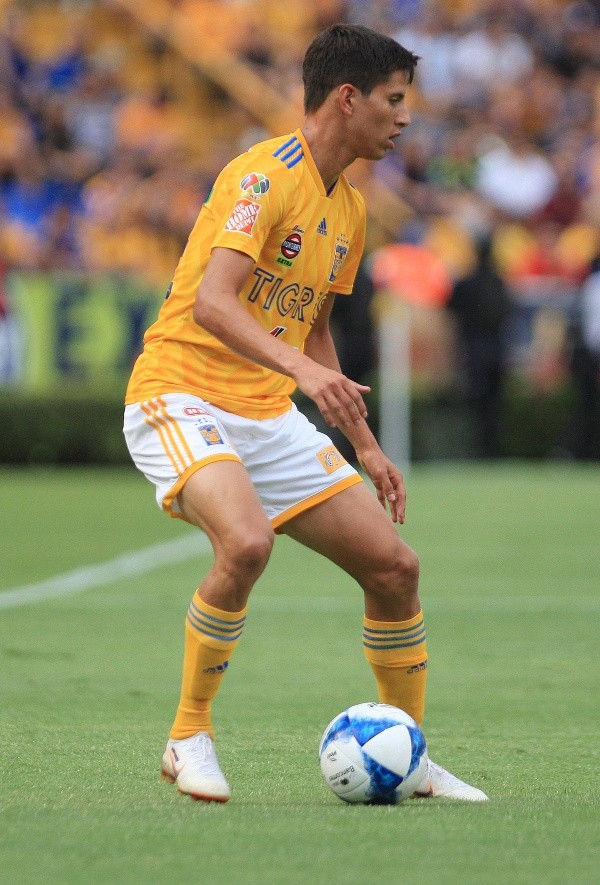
(347, 95)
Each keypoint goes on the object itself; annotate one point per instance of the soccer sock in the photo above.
(211, 636)
(397, 653)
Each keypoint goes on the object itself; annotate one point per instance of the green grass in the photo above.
(88, 685)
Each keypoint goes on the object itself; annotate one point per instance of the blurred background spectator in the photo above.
(355, 335)
(116, 116)
(10, 349)
(481, 305)
(585, 364)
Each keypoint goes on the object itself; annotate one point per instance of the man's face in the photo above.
(380, 117)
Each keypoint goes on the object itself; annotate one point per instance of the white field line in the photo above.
(78, 580)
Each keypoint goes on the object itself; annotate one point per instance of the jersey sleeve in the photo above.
(248, 199)
(344, 281)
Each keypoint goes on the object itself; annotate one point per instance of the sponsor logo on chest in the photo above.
(290, 249)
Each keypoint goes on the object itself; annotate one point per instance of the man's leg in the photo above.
(220, 499)
(353, 530)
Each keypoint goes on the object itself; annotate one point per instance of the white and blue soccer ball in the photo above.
(373, 754)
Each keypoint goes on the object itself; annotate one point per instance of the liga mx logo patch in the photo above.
(331, 459)
(255, 184)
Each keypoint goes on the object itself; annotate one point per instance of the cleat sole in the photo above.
(197, 797)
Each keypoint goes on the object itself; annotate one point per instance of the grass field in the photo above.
(89, 680)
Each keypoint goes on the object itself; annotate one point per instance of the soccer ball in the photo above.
(374, 754)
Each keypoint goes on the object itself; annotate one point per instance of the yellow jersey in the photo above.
(269, 203)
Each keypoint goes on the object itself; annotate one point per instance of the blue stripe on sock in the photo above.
(393, 637)
(398, 630)
(199, 627)
(396, 645)
(203, 614)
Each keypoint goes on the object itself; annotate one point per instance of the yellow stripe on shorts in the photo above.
(177, 429)
(180, 459)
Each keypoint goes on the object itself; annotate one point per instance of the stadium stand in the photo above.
(115, 117)
(172, 88)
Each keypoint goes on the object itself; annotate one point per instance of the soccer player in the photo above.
(209, 419)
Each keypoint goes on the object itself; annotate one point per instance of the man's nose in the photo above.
(403, 119)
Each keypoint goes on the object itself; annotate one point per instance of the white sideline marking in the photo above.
(80, 579)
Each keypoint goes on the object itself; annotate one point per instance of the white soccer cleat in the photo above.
(192, 765)
(440, 784)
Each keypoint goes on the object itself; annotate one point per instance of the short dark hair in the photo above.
(351, 54)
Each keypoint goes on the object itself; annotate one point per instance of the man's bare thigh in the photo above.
(351, 529)
(220, 497)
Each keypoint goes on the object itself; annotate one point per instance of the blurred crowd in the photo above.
(110, 140)
(111, 135)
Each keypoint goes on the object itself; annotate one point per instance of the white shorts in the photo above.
(291, 464)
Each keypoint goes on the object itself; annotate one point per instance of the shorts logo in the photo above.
(210, 434)
(255, 184)
(291, 246)
(331, 459)
(242, 218)
(194, 410)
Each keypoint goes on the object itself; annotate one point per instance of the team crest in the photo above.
(255, 184)
(210, 434)
(339, 256)
(242, 218)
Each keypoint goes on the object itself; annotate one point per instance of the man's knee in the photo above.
(247, 552)
(409, 565)
(396, 574)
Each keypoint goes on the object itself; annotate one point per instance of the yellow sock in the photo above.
(211, 636)
(397, 653)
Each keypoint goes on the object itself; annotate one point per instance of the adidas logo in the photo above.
(220, 668)
(322, 228)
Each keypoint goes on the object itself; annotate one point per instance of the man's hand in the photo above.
(387, 479)
(339, 399)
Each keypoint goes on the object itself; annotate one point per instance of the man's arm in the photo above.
(384, 475)
(218, 310)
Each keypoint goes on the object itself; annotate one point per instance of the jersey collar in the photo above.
(313, 167)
